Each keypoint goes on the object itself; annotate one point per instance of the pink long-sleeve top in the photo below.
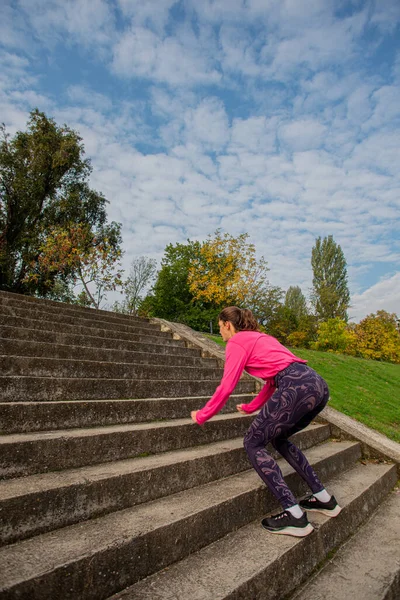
(260, 355)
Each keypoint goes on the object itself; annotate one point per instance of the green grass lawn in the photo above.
(366, 390)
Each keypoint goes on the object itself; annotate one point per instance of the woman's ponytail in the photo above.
(241, 318)
(248, 321)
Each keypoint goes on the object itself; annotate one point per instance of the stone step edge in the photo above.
(73, 414)
(26, 454)
(29, 347)
(144, 524)
(96, 340)
(14, 310)
(374, 444)
(38, 503)
(42, 302)
(156, 340)
(41, 316)
(86, 330)
(254, 564)
(376, 583)
(13, 439)
(12, 365)
(42, 482)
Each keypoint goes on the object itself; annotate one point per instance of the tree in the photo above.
(43, 192)
(91, 258)
(335, 335)
(266, 304)
(330, 296)
(226, 271)
(171, 296)
(378, 337)
(142, 273)
(296, 303)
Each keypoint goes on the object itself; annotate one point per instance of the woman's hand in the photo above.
(240, 409)
(193, 415)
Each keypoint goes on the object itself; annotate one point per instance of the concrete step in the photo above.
(72, 318)
(32, 389)
(39, 503)
(22, 417)
(98, 330)
(40, 452)
(63, 351)
(23, 366)
(253, 564)
(54, 307)
(99, 557)
(157, 345)
(367, 567)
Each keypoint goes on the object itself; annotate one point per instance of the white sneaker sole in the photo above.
(328, 513)
(293, 531)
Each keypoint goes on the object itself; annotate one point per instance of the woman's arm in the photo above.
(264, 395)
(234, 364)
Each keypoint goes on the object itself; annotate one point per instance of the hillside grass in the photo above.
(366, 390)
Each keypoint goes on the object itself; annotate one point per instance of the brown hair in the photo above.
(241, 318)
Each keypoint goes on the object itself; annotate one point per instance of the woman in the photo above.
(292, 396)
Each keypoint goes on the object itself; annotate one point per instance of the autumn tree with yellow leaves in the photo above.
(226, 271)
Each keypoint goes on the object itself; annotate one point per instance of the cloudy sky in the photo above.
(279, 118)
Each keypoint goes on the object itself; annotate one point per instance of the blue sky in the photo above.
(279, 118)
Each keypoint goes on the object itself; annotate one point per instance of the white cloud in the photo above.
(303, 134)
(85, 21)
(256, 134)
(253, 117)
(147, 12)
(387, 107)
(142, 53)
(207, 124)
(83, 95)
(384, 295)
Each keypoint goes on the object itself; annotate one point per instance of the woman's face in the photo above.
(226, 330)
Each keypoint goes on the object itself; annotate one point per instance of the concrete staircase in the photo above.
(109, 490)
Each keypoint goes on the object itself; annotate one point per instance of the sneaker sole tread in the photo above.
(293, 531)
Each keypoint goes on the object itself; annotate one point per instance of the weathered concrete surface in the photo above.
(32, 505)
(62, 317)
(17, 389)
(23, 417)
(55, 307)
(374, 444)
(157, 345)
(367, 567)
(98, 329)
(31, 366)
(142, 513)
(26, 454)
(63, 351)
(253, 564)
(99, 557)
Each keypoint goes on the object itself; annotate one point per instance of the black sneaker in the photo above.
(330, 508)
(286, 524)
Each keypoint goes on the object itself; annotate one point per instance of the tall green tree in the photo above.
(330, 295)
(296, 303)
(44, 189)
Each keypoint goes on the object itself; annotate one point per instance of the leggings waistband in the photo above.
(279, 375)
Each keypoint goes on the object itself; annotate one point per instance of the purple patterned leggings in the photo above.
(300, 395)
